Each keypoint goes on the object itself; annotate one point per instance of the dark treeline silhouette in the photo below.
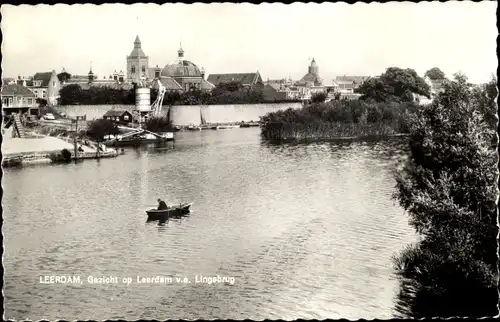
(231, 93)
(449, 189)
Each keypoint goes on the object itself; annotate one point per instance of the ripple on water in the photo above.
(307, 231)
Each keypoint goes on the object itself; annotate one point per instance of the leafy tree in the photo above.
(448, 188)
(73, 94)
(64, 76)
(435, 74)
(99, 128)
(395, 85)
(318, 98)
(231, 86)
(41, 102)
(158, 124)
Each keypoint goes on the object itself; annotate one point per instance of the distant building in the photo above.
(311, 83)
(271, 94)
(40, 84)
(118, 116)
(154, 72)
(116, 80)
(137, 63)
(44, 85)
(311, 79)
(8, 81)
(18, 99)
(184, 74)
(436, 87)
(279, 84)
(285, 86)
(244, 79)
(347, 84)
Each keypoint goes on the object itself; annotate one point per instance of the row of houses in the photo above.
(180, 75)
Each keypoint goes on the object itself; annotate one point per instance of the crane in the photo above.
(157, 104)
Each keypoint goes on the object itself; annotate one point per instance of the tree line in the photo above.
(230, 93)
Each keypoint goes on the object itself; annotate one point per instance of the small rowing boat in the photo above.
(178, 210)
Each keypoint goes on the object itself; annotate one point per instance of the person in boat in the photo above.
(162, 205)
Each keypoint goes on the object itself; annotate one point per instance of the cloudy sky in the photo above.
(275, 39)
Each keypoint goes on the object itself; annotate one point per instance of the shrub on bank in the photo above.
(337, 119)
(449, 190)
(158, 124)
(63, 156)
(12, 162)
(97, 129)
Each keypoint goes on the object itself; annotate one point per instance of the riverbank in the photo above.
(323, 131)
(44, 149)
(336, 120)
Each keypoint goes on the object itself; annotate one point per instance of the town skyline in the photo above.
(275, 39)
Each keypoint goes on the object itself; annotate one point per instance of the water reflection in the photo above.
(306, 230)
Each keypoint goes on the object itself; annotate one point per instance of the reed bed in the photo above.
(336, 120)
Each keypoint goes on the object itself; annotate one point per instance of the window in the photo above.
(157, 74)
(5, 101)
(54, 83)
(30, 101)
(132, 70)
(10, 101)
(143, 69)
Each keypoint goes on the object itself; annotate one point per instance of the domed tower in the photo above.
(184, 72)
(180, 53)
(137, 63)
(91, 75)
(313, 68)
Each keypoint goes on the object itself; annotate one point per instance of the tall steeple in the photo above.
(91, 74)
(313, 68)
(137, 51)
(137, 63)
(180, 52)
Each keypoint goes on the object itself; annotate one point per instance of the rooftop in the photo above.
(16, 90)
(44, 77)
(115, 112)
(242, 78)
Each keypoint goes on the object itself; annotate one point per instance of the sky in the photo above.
(277, 40)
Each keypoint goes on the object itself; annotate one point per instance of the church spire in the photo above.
(180, 52)
(91, 74)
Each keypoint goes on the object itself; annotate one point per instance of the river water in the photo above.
(306, 231)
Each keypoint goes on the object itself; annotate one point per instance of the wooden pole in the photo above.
(76, 131)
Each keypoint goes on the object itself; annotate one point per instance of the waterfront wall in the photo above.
(188, 114)
(91, 111)
(231, 113)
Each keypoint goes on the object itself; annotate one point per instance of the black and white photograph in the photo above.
(249, 161)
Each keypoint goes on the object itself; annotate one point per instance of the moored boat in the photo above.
(227, 127)
(192, 127)
(249, 124)
(178, 210)
(139, 137)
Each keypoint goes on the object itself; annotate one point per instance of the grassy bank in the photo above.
(337, 119)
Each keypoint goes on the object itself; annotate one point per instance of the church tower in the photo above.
(91, 75)
(137, 63)
(180, 53)
(313, 68)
